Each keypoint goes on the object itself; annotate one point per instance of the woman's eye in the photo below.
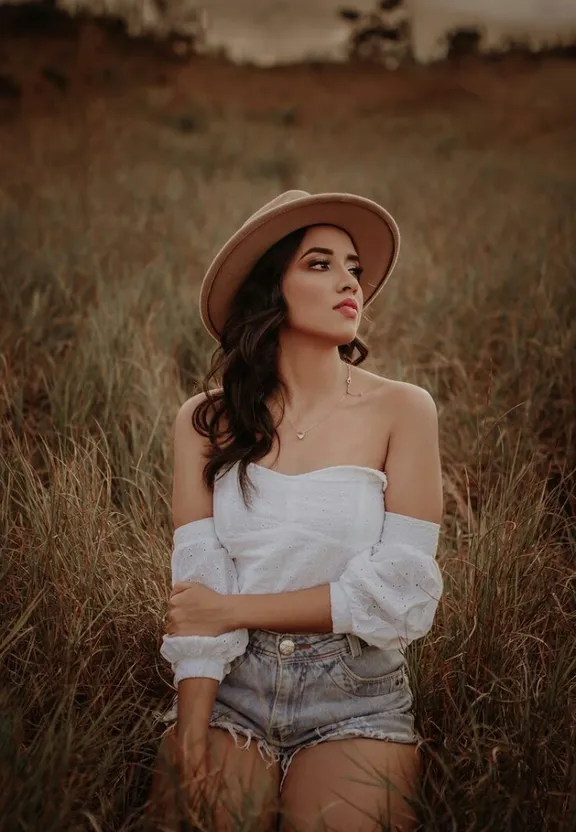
(357, 270)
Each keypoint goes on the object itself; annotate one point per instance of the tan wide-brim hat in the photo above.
(373, 230)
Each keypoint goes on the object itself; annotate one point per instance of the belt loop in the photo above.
(355, 646)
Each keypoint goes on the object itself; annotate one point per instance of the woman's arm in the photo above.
(191, 501)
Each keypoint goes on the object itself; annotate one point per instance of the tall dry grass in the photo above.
(109, 210)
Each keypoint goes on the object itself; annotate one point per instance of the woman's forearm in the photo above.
(195, 703)
(295, 611)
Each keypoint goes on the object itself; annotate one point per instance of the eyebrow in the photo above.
(329, 251)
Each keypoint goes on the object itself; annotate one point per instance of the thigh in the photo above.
(239, 783)
(243, 781)
(356, 783)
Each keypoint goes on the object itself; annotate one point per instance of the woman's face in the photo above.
(316, 281)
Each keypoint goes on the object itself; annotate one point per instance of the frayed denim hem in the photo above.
(268, 754)
(271, 755)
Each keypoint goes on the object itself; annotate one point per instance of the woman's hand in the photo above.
(196, 610)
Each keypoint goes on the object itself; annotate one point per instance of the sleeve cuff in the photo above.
(198, 668)
(341, 618)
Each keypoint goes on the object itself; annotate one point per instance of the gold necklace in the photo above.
(301, 434)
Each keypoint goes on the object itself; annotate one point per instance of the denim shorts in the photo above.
(290, 691)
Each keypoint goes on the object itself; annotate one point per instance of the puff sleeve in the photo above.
(199, 556)
(388, 594)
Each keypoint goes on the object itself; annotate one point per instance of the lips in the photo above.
(349, 302)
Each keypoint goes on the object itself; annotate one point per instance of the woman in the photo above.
(296, 587)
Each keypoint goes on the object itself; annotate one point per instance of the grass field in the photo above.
(122, 173)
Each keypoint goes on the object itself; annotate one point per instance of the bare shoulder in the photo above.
(411, 402)
(412, 464)
(191, 497)
(186, 411)
(399, 399)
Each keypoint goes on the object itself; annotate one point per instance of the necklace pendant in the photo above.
(300, 435)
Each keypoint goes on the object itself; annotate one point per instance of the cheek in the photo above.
(307, 300)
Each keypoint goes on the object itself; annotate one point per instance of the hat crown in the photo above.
(281, 199)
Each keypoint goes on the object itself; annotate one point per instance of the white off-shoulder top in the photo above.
(324, 526)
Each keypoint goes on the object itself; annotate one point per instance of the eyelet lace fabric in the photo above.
(389, 595)
(199, 556)
(325, 526)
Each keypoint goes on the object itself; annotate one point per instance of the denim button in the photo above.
(287, 646)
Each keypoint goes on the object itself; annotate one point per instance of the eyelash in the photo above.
(357, 270)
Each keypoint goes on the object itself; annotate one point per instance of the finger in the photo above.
(171, 628)
(180, 586)
(175, 603)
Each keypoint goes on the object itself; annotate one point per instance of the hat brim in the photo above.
(373, 230)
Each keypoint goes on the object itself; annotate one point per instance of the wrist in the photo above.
(235, 612)
(253, 611)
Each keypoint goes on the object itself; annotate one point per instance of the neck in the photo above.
(310, 370)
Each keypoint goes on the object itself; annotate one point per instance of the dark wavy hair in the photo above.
(236, 418)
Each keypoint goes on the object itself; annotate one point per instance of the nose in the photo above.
(349, 281)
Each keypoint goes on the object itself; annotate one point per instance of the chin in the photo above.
(339, 336)
(345, 336)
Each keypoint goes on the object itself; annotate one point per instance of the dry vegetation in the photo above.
(118, 185)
